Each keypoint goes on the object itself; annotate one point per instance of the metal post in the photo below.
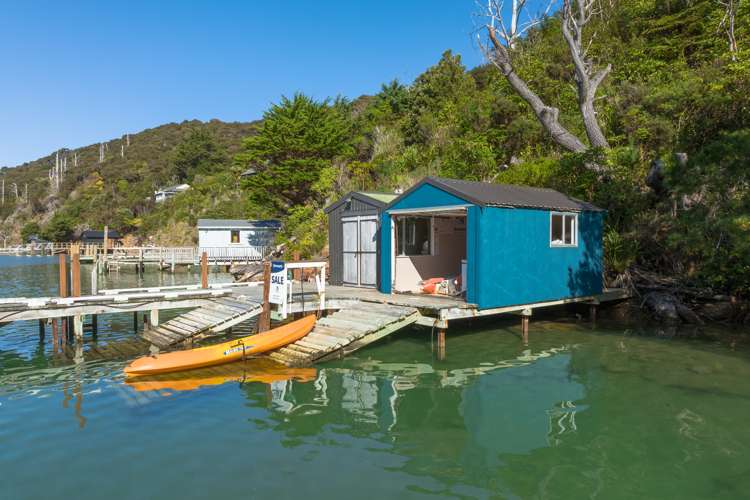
(264, 322)
(75, 287)
(204, 270)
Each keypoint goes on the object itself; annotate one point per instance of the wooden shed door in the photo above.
(360, 250)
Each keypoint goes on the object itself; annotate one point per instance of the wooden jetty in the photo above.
(217, 316)
(345, 331)
(350, 317)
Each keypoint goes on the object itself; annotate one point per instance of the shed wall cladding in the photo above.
(515, 263)
(351, 208)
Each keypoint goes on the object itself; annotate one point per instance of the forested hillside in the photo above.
(671, 165)
(112, 182)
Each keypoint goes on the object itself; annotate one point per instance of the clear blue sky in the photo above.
(75, 73)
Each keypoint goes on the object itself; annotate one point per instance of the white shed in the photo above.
(236, 238)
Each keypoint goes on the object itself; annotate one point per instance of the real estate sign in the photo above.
(277, 290)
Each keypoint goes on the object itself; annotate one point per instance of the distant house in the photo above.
(234, 233)
(90, 236)
(168, 192)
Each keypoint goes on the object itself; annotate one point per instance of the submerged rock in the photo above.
(667, 308)
(718, 311)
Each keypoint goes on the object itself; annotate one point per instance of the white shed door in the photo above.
(360, 251)
(351, 274)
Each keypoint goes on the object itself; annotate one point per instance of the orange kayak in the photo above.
(223, 353)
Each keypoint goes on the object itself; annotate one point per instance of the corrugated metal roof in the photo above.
(506, 195)
(237, 224)
(377, 200)
(383, 197)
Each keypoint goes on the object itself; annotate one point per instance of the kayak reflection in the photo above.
(253, 370)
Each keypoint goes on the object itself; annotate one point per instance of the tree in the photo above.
(198, 153)
(504, 38)
(298, 140)
(28, 230)
(59, 228)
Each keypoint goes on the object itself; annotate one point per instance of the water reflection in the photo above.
(254, 370)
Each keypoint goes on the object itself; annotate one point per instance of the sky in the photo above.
(77, 73)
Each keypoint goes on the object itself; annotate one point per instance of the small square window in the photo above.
(563, 230)
(235, 237)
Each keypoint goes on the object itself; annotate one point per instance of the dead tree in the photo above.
(504, 34)
(15, 190)
(727, 24)
(101, 152)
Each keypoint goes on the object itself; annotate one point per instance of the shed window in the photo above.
(414, 236)
(563, 231)
(235, 236)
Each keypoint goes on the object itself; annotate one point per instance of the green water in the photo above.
(609, 412)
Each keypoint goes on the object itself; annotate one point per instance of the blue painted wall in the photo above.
(516, 265)
(509, 258)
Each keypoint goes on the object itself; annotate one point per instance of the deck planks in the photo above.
(200, 322)
(345, 331)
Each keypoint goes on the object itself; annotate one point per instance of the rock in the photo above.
(662, 307)
(668, 309)
(717, 311)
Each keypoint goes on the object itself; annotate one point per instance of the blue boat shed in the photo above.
(502, 245)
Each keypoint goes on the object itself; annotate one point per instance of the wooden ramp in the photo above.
(217, 316)
(345, 331)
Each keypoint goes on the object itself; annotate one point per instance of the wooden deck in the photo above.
(217, 316)
(345, 331)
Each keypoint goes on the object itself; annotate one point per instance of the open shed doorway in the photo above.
(429, 249)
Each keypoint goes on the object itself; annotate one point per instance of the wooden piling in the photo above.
(441, 344)
(94, 325)
(204, 270)
(63, 275)
(55, 336)
(75, 288)
(75, 278)
(41, 330)
(525, 329)
(135, 322)
(106, 242)
(62, 259)
(592, 313)
(264, 321)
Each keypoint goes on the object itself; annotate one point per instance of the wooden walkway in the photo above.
(345, 331)
(217, 316)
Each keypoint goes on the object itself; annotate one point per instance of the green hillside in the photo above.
(118, 190)
(675, 105)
